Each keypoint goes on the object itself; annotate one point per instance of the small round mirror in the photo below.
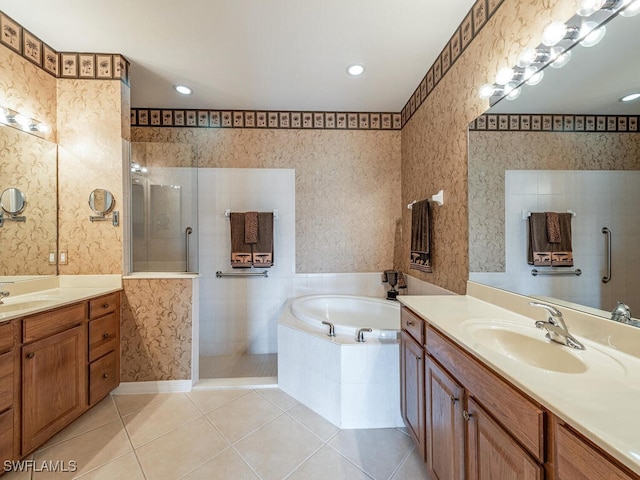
(101, 201)
(13, 201)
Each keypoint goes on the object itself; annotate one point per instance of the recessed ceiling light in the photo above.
(184, 90)
(355, 70)
(630, 98)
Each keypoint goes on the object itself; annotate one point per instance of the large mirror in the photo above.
(28, 164)
(566, 144)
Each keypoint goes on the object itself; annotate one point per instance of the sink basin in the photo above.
(519, 343)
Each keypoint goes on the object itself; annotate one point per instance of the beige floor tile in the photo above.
(376, 451)
(125, 468)
(89, 450)
(225, 466)
(101, 414)
(328, 464)
(207, 400)
(181, 450)
(160, 417)
(317, 424)
(128, 404)
(413, 468)
(278, 398)
(277, 448)
(243, 415)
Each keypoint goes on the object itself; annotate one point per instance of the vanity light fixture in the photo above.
(630, 98)
(183, 89)
(504, 76)
(355, 70)
(15, 119)
(556, 32)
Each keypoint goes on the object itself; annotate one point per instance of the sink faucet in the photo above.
(3, 294)
(621, 313)
(556, 328)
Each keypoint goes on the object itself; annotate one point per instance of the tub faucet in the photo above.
(332, 328)
(360, 337)
(556, 328)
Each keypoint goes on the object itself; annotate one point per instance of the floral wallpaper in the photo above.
(491, 153)
(156, 330)
(347, 186)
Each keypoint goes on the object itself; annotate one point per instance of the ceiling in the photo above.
(256, 54)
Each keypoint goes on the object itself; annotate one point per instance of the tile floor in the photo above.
(220, 434)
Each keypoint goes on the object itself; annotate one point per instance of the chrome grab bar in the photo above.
(535, 272)
(265, 274)
(607, 277)
(188, 231)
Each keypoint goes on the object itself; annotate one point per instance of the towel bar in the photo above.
(264, 273)
(535, 272)
(526, 214)
(227, 213)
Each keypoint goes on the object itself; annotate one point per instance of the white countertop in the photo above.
(602, 402)
(56, 292)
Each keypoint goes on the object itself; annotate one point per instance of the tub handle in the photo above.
(360, 336)
(332, 328)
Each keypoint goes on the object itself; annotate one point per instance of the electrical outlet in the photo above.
(63, 258)
(52, 258)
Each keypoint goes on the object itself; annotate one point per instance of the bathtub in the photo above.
(349, 383)
(348, 313)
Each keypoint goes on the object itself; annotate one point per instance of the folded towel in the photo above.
(240, 250)
(420, 237)
(553, 227)
(251, 227)
(262, 250)
(543, 253)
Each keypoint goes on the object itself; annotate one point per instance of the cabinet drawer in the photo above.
(6, 336)
(103, 334)
(518, 414)
(577, 460)
(55, 321)
(6, 380)
(103, 377)
(6, 435)
(103, 305)
(413, 324)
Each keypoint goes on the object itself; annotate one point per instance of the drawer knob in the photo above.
(466, 415)
(105, 375)
(105, 335)
(31, 355)
(409, 322)
(106, 305)
(418, 358)
(454, 399)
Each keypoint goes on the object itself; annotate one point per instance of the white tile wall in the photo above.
(600, 199)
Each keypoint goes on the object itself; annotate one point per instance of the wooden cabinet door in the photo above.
(412, 389)
(445, 424)
(54, 385)
(492, 454)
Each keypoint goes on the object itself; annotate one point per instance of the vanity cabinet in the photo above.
(7, 390)
(104, 351)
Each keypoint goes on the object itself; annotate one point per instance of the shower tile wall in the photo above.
(599, 199)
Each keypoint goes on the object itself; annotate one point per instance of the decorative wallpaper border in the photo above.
(149, 117)
(473, 22)
(98, 66)
(555, 123)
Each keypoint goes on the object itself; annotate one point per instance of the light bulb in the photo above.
(43, 128)
(589, 7)
(553, 33)
(630, 98)
(22, 120)
(504, 76)
(4, 115)
(632, 10)
(592, 35)
(183, 89)
(527, 57)
(355, 70)
(561, 59)
(486, 91)
(512, 93)
(535, 77)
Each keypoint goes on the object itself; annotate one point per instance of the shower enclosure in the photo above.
(164, 207)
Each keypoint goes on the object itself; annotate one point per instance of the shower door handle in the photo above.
(188, 231)
(607, 232)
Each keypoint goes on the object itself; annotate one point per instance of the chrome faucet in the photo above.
(3, 294)
(621, 313)
(360, 337)
(557, 330)
(332, 328)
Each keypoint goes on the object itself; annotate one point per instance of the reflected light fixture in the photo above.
(555, 32)
(183, 89)
(592, 35)
(630, 98)
(560, 59)
(533, 76)
(486, 91)
(512, 93)
(504, 76)
(355, 70)
(632, 9)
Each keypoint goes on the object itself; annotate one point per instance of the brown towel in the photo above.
(251, 227)
(541, 252)
(420, 237)
(553, 227)
(263, 248)
(240, 250)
